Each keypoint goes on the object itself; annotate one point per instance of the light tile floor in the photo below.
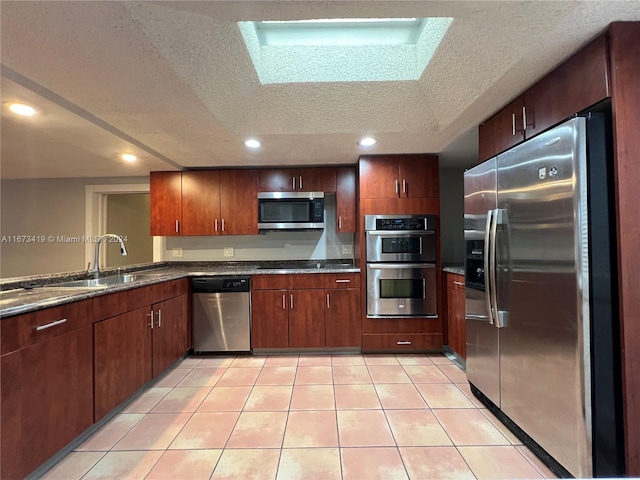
(359, 417)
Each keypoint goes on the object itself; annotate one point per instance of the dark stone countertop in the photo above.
(456, 268)
(27, 294)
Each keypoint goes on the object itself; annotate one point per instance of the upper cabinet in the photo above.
(399, 176)
(204, 202)
(346, 199)
(166, 203)
(577, 84)
(310, 179)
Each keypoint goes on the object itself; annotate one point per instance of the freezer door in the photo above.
(541, 273)
(483, 364)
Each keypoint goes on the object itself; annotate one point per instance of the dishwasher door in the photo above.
(221, 322)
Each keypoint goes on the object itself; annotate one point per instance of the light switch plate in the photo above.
(176, 252)
(228, 251)
(347, 249)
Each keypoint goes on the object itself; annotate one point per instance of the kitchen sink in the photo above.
(106, 281)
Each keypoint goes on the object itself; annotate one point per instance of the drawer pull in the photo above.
(403, 342)
(343, 281)
(458, 283)
(52, 324)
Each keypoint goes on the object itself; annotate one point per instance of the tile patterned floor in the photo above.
(350, 417)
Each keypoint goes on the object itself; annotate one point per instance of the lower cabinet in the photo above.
(320, 312)
(455, 314)
(134, 347)
(47, 399)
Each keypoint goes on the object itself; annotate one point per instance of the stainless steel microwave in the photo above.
(291, 210)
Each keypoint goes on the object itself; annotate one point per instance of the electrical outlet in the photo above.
(176, 252)
(347, 249)
(228, 251)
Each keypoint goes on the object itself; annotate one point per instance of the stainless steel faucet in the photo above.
(95, 271)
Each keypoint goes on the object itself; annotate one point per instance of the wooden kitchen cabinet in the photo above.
(577, 84)
(47, 397)
(165, 198)
(269, 319)
(346, 217)
(342, 318)
(200, 202)
(169, 333)
(306, 318)
(455, 313)
(312, 179)
(122, 358)
(239, 202)
(399, 176)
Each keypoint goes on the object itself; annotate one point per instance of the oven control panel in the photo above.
(400, 222)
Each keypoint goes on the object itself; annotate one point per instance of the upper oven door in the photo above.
(401, 246)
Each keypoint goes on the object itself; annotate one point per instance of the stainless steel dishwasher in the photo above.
(221, 314)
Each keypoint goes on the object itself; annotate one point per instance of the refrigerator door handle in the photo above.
(487, 263)
(497, 218)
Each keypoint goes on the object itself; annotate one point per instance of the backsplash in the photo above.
(285, 245)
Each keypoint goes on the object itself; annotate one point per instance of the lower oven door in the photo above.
(401, 290)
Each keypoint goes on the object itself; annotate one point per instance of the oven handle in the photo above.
(400, 266)
(399, 233)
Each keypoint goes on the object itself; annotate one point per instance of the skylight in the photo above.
(343, 50)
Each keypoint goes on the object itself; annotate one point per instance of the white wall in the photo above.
(452, 215)
(312, 245)
(51, 208)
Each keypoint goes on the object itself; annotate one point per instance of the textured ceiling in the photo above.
(173, 82)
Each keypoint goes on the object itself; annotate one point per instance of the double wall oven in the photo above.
(401, 265)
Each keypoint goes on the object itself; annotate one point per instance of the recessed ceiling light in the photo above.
(20, 109)
(252, 143)
(128, 157)
(367, 141)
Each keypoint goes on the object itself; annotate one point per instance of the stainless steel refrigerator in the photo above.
(541, 314)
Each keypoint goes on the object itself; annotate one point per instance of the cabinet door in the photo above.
(502, 131)
(239, 202)
(342, 318)
(201, 202)
(577, 84)
(346, 199)
(165, 190)
(169, 332)
(306, 318)
(122, 358)
(318, 179)
(379, 177)
(47, 400)
(269, 319)
(419, 176)
(277, 180)
(457, 327)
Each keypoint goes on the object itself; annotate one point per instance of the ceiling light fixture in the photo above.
(21, 109)
(367, 141)
(251, 143)
(128, 157)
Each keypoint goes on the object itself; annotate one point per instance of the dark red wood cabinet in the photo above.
(399, 176)
(457, 330)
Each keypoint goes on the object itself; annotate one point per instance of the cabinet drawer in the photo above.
(287, 281)
(31, 328)
(341, 280)
(455, 281)
(401, 342)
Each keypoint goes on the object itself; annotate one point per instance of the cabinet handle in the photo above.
(524, 118)
(343, 281)
(291, 300)
(150, 315)
(458, 283)
(340, 222)
(403, 342)
(397, 187)
(328, 302)
(293, 183)
(404, 186)
(159, 317)
(177, 226)
(300, 182)
(52, 324)
(216, 225)
(223, 224)
(513, 124)
(284, 305)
